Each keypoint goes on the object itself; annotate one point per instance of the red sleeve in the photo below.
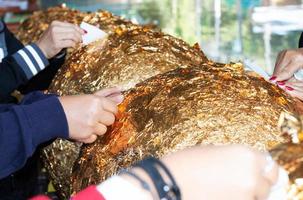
(40, 197)
(90, 193)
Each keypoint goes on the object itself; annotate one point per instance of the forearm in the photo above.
(17, 69)
(42, 80)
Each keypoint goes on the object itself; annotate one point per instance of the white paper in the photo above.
(256, 68)
(93, 33)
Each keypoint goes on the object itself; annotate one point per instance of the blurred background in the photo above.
(227, 30)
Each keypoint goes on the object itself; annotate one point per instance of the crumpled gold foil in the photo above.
(290, 155)
(130, 54)
(208, 104)
(123, 59)
(202, 102)
(34, 26)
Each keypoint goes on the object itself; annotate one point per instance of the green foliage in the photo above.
(184, 22)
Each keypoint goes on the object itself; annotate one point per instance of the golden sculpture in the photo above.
(207, 104)
(198, 102)
(129, 55)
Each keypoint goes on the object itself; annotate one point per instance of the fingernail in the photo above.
(273, 78)
(120, 99)
(281, 83)
(289, 88)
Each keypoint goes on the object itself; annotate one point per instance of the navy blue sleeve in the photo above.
(21, 64)
(39, 118)
(44, 78)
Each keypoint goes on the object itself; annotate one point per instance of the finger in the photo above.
(118, 98)
(294, 84)
(292, 79)
(100, 129)
(90, 139)
(70, 35)
(106, 118)
(295, 93)
(108, 91)
(109, 105)
(288, 71)
(298, 85)
(65, 30)
(80, 30)
(66, 44)
(67, 25)
(60, 23)
(281, 62)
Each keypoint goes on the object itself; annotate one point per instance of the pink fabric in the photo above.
(90, 193)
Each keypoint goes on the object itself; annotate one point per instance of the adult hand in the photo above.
(89, 115)
(58, 36)
(288, 62)
(226, 172)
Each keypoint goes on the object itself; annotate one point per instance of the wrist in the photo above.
(43, 49)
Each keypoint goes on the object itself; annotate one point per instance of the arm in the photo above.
(21, 64)
(210, 172)
(43, 79)
(23, 127)
(41, 117)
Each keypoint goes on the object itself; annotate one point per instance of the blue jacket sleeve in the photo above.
(23, 127)
(21, 64)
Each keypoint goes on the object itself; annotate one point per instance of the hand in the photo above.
(226, 172)
(288, 62)
(58, 36)
(89, 115)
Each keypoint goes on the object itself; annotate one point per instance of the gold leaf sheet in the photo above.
(208, 104)
(200, 103)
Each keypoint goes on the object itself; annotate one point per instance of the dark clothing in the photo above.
(37, 119)
(301, 41)
(24, 68)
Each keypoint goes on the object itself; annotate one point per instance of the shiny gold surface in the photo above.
(200, 103)
(123, 59)
(290, 155)
(33, 27)
(129, 55)
(208, 104)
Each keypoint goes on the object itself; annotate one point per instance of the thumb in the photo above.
(108, 91)
(90, 139)
(117, 98)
